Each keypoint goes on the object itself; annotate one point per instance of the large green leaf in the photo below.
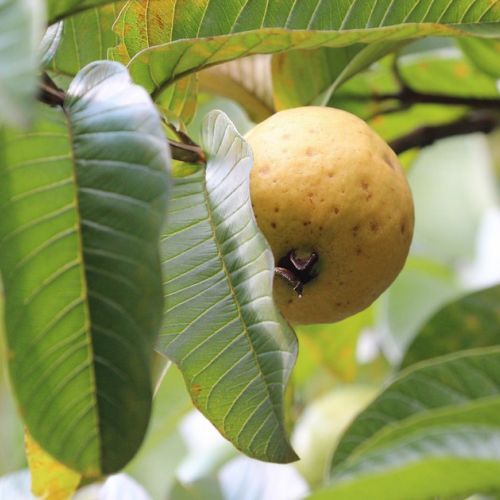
(59, 9)
(83, 198)
(437, 386)
(439, 463)
(21, 25)
(86, 37)
(472, 321)
(221, 326)
(438, 419)
(207, 32)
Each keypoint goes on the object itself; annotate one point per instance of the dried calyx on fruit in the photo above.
(333, 202)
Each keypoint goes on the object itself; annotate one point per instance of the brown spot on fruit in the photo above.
(374, 226)
(273, 225)
(336, 210)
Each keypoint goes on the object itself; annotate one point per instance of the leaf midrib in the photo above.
(83, 277)
(235, 296)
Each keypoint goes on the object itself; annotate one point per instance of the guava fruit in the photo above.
(332, 200)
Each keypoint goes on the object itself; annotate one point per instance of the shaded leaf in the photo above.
(200, 36)
(305, 77)
(221, 326)
(49, 478)
(83, 196)
(59, 9)
(470, 322)
(21, 25)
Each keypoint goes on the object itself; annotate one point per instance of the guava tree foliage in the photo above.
(109, 249)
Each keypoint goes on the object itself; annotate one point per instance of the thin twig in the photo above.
(187, 151)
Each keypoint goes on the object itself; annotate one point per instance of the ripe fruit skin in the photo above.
(324, 181)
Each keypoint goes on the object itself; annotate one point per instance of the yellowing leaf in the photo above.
(50, 479)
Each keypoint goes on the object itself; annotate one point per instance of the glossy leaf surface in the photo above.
(83, 197)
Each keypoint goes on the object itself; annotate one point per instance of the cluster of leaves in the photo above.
(87, 257)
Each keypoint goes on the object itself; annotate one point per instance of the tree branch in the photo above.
(427, 135)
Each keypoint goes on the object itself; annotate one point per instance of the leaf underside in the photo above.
(221, 326)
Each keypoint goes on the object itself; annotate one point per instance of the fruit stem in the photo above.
(297, 271)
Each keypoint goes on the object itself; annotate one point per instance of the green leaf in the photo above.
(21, 25)
(431, 388)
(483, 54)
(439, 419)
(221, 326)
(59, 9)
(459, 461)
(208, 32)
(303, 77)
(83, 198)
(86, 37)
(470, 322)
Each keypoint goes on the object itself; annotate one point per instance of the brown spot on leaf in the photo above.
(195, 390)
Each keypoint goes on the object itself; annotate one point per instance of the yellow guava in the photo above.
(326, 188)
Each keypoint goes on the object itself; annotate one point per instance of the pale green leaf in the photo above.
(83, 198)
(221, 326)
(438, 420)
(50, 43)
(441, 463)
(444, 385)
(21, 28)
(204, 33)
